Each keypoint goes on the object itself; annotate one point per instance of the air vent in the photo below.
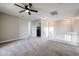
(54, 13)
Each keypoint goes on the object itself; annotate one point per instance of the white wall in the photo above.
(24, 28)
(0, 29)
(76, 26)
(12, 27)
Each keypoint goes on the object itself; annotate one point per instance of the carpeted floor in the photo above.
(38, 47)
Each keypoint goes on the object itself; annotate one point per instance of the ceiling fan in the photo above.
(27, 8)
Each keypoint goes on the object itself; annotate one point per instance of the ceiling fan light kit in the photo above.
(26, 11)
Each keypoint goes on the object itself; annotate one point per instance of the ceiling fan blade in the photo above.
(21, 11)
(29, 13)
(19, 6)
(33, 10)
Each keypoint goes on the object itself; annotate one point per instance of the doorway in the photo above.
(38, 31)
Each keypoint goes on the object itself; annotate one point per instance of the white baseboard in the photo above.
(72, 43)
(13, 39)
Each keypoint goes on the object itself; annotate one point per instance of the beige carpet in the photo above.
(38, 47)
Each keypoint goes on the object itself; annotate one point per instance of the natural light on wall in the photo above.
(61, 30)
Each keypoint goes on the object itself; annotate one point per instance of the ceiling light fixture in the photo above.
(27, 11)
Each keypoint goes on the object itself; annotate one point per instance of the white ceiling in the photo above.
(44, 9)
